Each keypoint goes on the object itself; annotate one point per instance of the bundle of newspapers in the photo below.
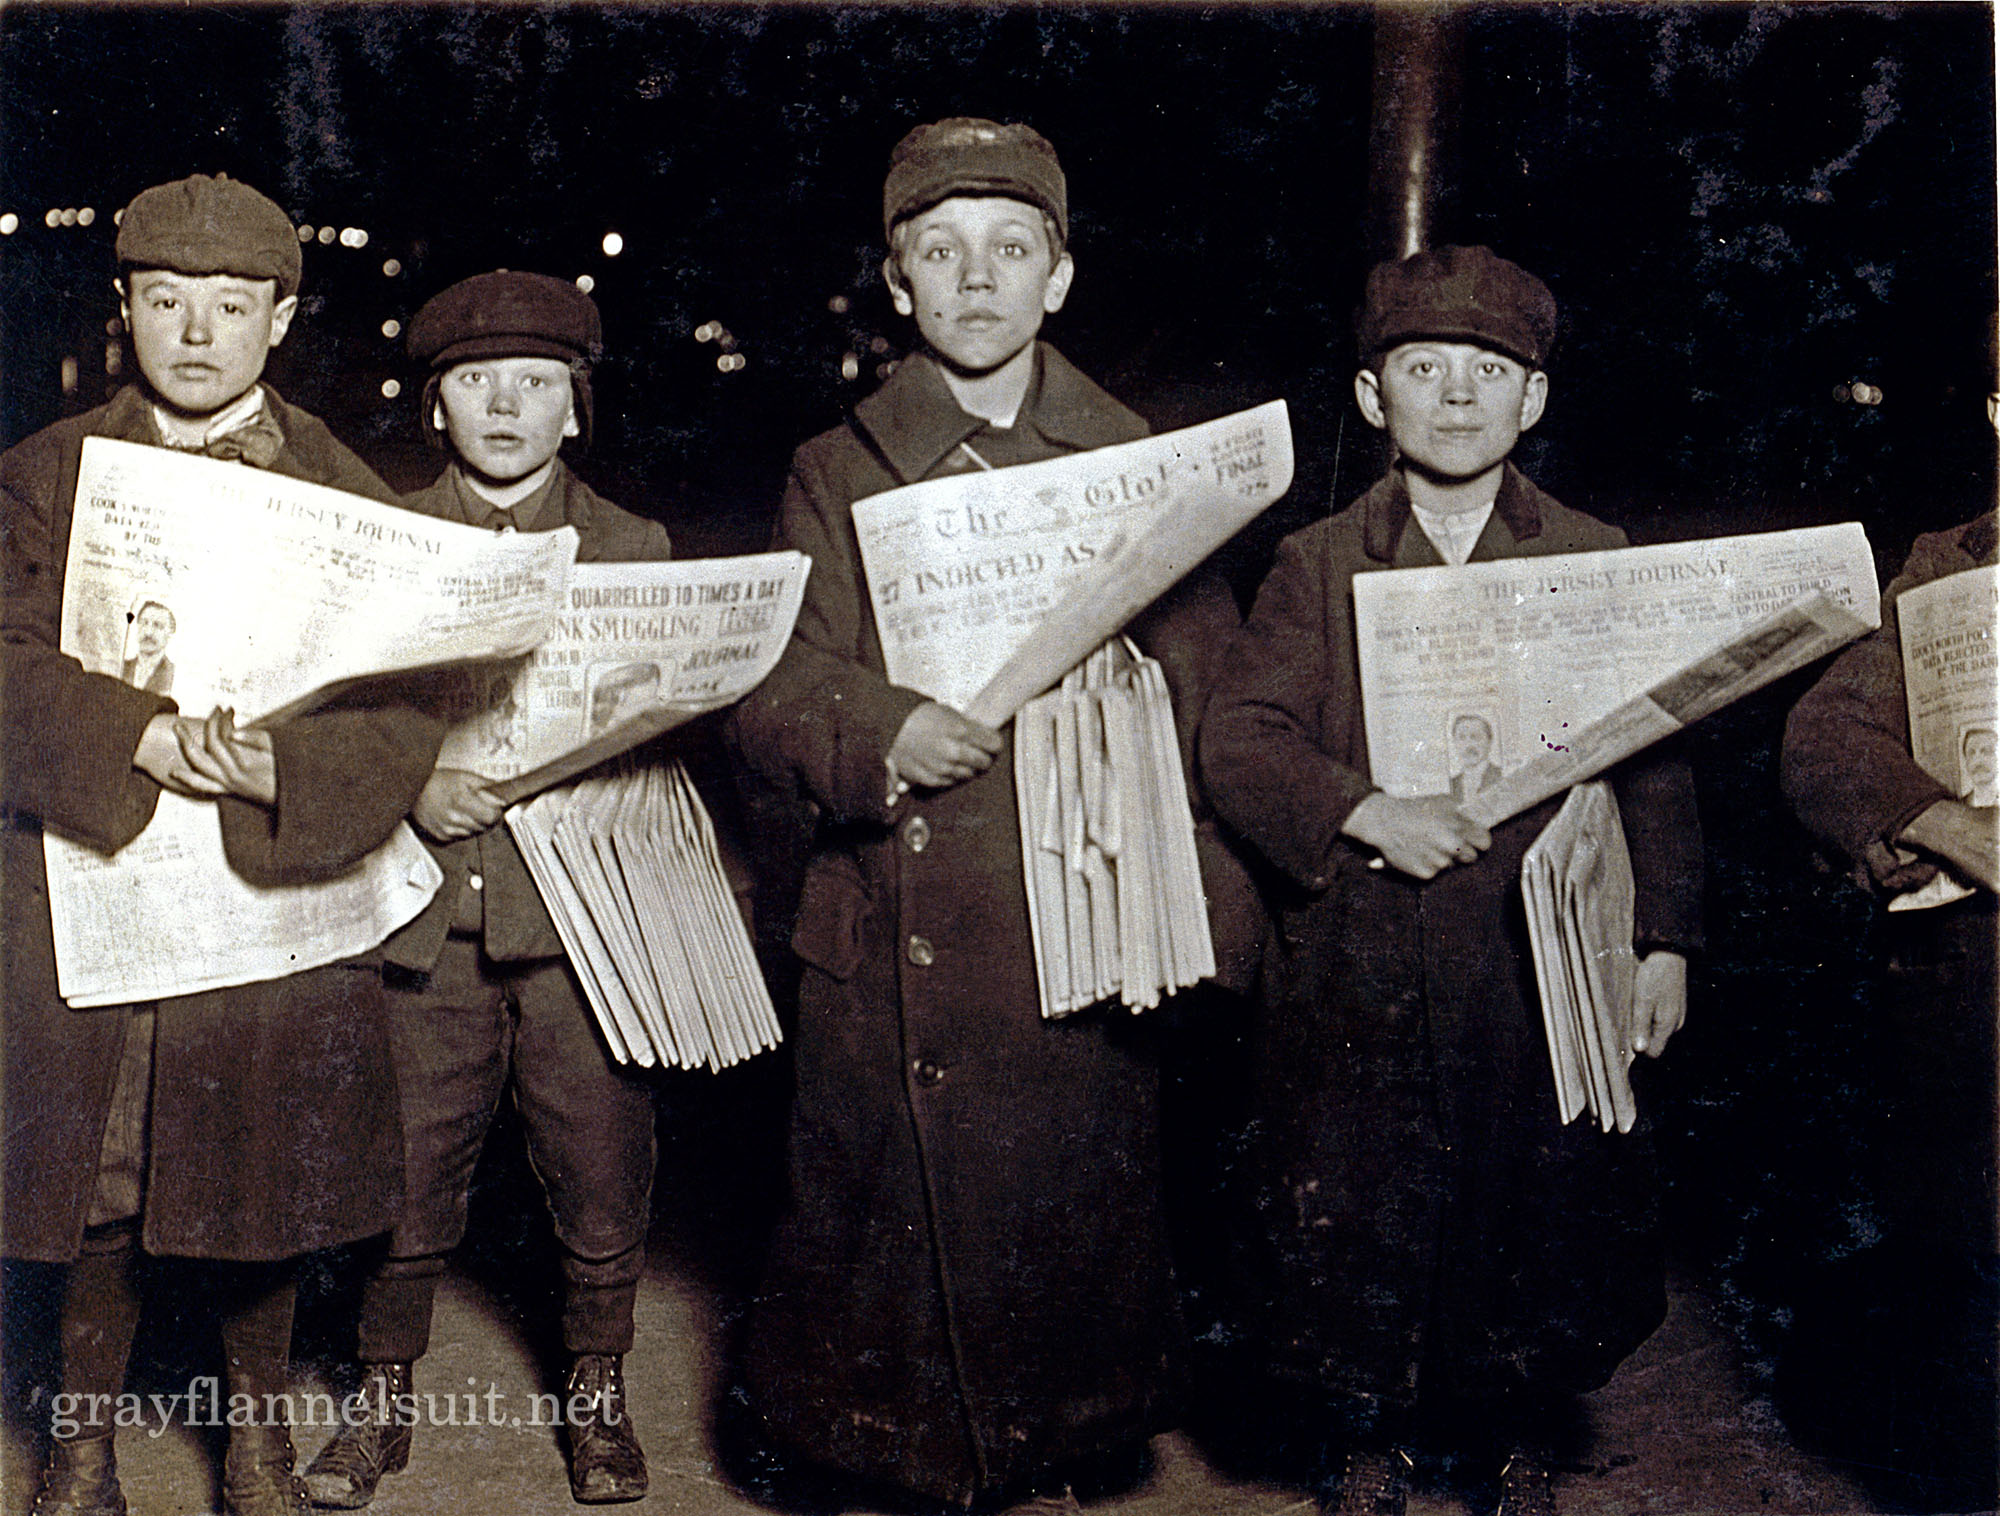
(1576, 881)
(627, 863)
(1107, 840)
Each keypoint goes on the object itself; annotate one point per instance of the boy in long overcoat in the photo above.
(1849, 776)
(1426, 1231)
(969, 1291)
(240, 1126)
(481, 998)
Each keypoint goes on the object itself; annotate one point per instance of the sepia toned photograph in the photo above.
(1229, 759)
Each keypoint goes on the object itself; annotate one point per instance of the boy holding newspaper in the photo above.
(1428, 1237)
(480, 994)
(969, 1292)
(241, 1127)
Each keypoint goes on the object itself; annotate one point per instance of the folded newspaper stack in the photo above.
(1107, 840)
(1576, 881)
(627, 863)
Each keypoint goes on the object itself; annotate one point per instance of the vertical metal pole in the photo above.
(1413, 125)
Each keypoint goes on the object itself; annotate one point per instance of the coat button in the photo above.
(921, 952)
(476, 881)
(927, 1072)
(916, 834)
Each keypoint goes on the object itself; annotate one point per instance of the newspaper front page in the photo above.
(964, 570)
(1500, 683)
(218, 584)
(639, 649)
(1951, 682)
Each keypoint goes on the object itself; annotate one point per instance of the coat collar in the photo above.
(1979, 539)
(1387, 514)
(914, 419)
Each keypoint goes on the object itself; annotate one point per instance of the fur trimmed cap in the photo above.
(967, 155)
(1457, 294)
(506, 314)
(210, 224)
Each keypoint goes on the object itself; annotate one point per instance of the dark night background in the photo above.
(1743, 210)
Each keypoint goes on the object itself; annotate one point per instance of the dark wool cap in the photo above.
(1458, 294)
(506, 314)
(210, 225)
(964, 155)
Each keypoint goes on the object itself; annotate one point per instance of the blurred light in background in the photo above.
(392, 329)
(613, 244)
(585, 283)
(391, 388)
(391, 267)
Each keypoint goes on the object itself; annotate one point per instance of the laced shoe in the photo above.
(344, 1473)
(80, 1479)
(1527, 1488)
(606, 1463)
(1372, 1483)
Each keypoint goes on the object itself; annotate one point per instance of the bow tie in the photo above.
(256, 443)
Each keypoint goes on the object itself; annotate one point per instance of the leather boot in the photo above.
(80, 1479)
(344, 1473)
(606, 1464)
(257, 1477)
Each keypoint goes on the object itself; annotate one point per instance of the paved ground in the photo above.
(1673, 1433)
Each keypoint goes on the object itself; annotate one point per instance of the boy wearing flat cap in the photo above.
(240, 1127)
(480, 994)
(969, 1292)
(1436, 1256)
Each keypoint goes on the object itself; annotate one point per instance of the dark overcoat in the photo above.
(515, 924)
(1850, 777)
(970, 1283)
(274, 1128)
(1415, 1199)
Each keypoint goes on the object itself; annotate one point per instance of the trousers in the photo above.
(470, 1032)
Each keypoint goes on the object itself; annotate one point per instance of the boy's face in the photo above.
(506, 417)
(1454, 409)
(978, 274)
(201, 339)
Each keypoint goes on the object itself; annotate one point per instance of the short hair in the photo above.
(579, 389)
(1485, 725)
(1971, 732)
(161, 605)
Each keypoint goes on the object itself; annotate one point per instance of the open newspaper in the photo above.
(628, 864)
(639, 649)
(223, 585)
(1576, 885)
(1503, 683)
(989, 587)
(1951, 682)
(1107, 840)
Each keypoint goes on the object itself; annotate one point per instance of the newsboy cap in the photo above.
(967, 155)
(1458, 294)
(210, 224)
(506, 314)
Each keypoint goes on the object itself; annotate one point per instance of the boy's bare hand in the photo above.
(1659, 1001)
(937, 746)
(206, 758)
(1966, 837)
(239, 762)
(456, 803)
(1420, 836)
(159, 754)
